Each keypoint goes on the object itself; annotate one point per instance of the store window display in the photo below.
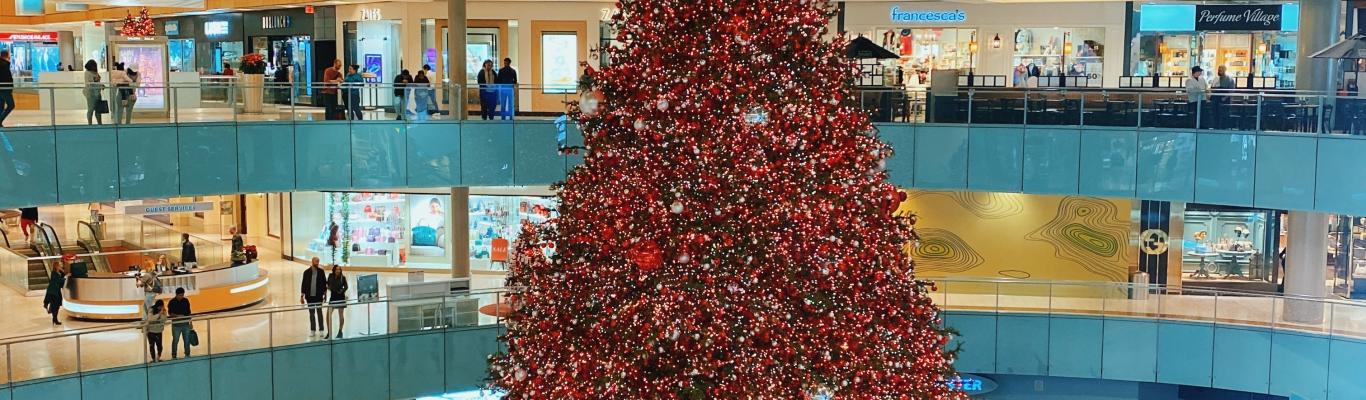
(1227, 243)
(499, 218)
(924, 50)
(374, 229)
(1046, 52)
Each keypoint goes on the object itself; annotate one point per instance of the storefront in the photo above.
(302, 41)
(32, 53)
(203, 43)
(373, 230)
(1224, 245)
(1015, 41)
(495, 222)
(1255, 42)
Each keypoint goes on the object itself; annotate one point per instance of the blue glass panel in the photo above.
(303, 372)
(995, 159)
(433, 155)
(901, 165)
(1242, 359)
(86, 168)
(1184, 354)
(1166, 17)
(321, 151)
(56, 389)
(378, 155)
(184, 379)
(467, 369)
(1108, 162)
(1130, 350)
(1074, 347)
(1290, 17)
(1340, 187)
(129, 383)
(537, 154)
(1225, 169)
(1344, 369)
(1026, 346)
(1051, 157)
(242, 376)
(1285, 177)
(415, 363)
(1299, 364)
(486, 154)
(265, 157)
(357, 367)
(941, 157)
(977, 335)
(148, 162)
(210, 159)
(1168, 160)
(28, 168)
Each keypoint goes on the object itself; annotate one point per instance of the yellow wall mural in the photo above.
(1010, 235)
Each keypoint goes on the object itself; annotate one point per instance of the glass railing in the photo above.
(235, 100)
(1238, 110)
(14, 271)
(123, 344)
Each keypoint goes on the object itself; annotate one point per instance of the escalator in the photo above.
(89, 241)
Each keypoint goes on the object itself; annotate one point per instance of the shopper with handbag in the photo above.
(95, 106)
(180, 323)
(336, 289)
(122, 87)
(154, 324)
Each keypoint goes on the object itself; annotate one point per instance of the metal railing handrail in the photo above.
(1152, 287)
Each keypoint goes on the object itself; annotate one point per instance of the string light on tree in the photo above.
(139, 26)
(730, 234)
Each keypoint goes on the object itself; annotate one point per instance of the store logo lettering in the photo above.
(1249, 16)
(275, 22)
(898, 15)
(370, 14)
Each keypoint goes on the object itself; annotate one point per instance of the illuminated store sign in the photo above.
(29, 37)
(972, 385)
(927, 16)
(370, 14)
(215, 28)
(276, 22)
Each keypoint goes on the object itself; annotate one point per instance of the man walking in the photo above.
(179, 310)
(507, 90)
(6, 87)
(311, 292)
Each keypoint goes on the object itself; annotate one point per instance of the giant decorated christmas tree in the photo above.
(730, 235)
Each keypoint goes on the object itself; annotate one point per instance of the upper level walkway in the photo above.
(403, 348)
(1279, 150)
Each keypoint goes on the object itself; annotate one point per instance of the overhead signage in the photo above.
(175, 208)
(1238, 17)
(276, 22)
(972, 385)
(927, 16)
(172, 28)
(215, 28)
(29, 37)
(370, 14)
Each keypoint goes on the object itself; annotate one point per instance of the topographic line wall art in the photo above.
(1088, 232)
(1009, 235)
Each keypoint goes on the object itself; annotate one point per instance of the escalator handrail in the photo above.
(50, 235)
(93, 237)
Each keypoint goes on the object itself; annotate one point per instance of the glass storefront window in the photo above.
(372, 229)
(1058, 52)
(1228, 243)
(500, 217)
(924, 50)
(181, 53)
(1244, 54)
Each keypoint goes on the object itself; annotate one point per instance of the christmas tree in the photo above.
(139, 26)
(730, 234)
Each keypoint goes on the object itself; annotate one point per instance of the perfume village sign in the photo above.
(1243, 17)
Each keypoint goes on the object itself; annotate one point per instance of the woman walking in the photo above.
(154, 324)
(336, 289)
(93, 94)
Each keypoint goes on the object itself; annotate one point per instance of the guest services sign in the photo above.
(1241, 17)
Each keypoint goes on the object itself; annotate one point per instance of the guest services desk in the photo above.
(116, 296)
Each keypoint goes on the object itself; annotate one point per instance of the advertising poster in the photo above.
(374, 63)
(428, 216)
(149, 60)
(560, 62)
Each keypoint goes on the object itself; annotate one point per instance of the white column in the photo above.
(459, 28)
(1306, 266)
(1318, 29)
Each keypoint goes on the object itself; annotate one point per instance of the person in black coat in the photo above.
(6, 87)
(187, 253)
(507, 89)
(401, 82)
(312, 291)
(488, 92)
(52, 299)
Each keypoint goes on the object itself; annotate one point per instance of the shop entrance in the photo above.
(1269, 54)
(1232, 247)
(294, 52)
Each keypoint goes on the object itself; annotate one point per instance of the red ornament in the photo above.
(646, 255)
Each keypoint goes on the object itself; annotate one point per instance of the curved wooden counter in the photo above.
(115, 296)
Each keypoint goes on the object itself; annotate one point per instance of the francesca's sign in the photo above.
(927, 16)
(1239, 17)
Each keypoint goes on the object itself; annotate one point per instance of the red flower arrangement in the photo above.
(253, 63)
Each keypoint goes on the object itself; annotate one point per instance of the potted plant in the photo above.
(253, 82)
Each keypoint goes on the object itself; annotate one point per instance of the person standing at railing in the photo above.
(154, 324)
(130, 95)
(507, 89)
(180, 322)
(332, 77)
(488, 92)
(433, 106)
(119, 78)
(56, 281)
(336, 290)
(312, 291)
(150, 283)
(1196, 90)
(94, 94)
(1222, 82)
(188, 258)
(6, 87)
(354, 81)
(421, 92)
(401, 82)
